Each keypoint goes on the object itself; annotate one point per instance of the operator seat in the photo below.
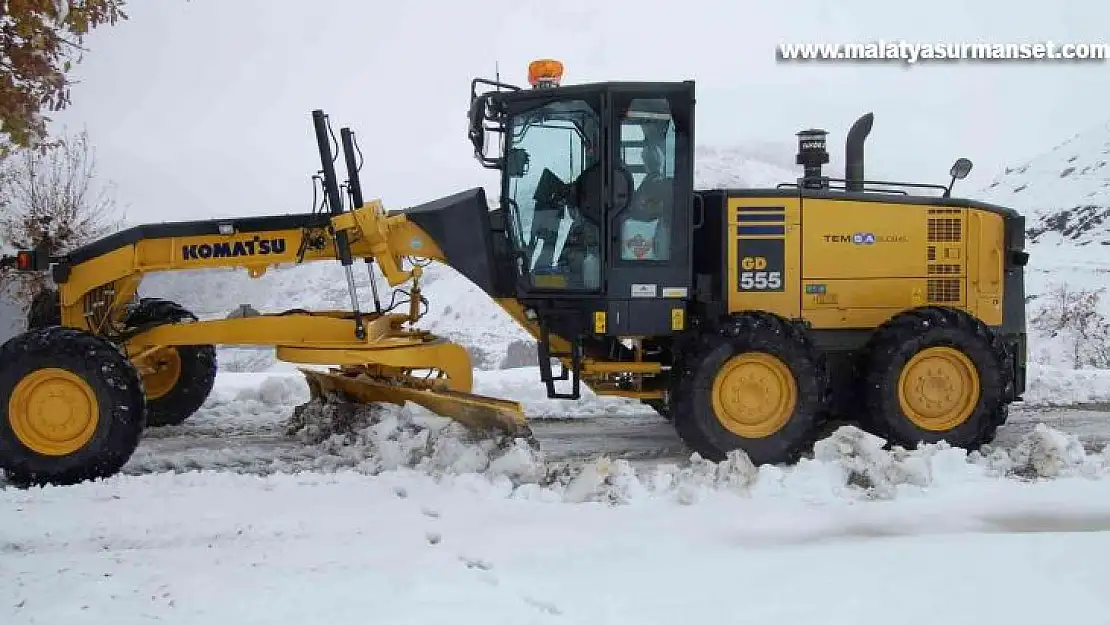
(553, 199)
(651, 209)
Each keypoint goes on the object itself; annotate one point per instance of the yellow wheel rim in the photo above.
(754, 395)
(53, 412)
(938, 389)
(166, 371)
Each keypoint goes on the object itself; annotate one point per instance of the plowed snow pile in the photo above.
(383, 438)
(850, 462)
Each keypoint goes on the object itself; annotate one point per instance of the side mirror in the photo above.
(475, 131)
(960, 169)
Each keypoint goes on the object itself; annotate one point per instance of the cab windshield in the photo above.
(553, 192)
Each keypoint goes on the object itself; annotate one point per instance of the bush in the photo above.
(1072, 318)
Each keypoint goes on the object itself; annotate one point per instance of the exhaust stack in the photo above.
(853, 157)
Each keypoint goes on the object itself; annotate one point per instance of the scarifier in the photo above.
(750, 318)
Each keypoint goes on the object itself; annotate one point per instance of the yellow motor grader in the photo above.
(747, 317)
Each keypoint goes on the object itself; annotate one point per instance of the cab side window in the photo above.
(647, 151)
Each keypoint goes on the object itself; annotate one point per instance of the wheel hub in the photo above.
(53, 412)
(938, 388)
(754, 395)
(165, 371)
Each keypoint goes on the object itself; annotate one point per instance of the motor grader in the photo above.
(750, 318)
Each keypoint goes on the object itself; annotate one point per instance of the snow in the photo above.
(1072, 176)
(736, 168)
(848, 537)
(384, 438)
(1062, 386)
(1065, 195)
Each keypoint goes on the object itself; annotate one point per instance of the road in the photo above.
(261, 446)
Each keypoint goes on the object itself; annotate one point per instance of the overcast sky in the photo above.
(200, 108)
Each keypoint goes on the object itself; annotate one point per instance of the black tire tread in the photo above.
(950, 327)
(198, 362)
(112, 377)
(750, 331)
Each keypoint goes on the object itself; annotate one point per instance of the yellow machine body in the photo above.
(393, 362)
(844, 264)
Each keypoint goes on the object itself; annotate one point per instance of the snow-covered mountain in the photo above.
(735, 167)
(1065, 195)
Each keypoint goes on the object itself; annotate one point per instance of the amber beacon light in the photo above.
(545, 73)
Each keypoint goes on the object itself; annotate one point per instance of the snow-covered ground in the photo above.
(394, 515)
(402, 549)
(405, 548)
(427, 526)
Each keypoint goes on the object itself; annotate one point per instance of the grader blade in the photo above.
(476, 412)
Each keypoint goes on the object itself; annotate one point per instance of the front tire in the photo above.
(75, 408)
(756, 384)
(934, 374)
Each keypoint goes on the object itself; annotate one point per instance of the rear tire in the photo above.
(934, 374)
(754, 383)
(186, 373)
(75, 409)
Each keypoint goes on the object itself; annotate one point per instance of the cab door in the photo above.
(649, 255)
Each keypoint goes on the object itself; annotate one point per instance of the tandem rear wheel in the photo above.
(931, 375)
(754, 383)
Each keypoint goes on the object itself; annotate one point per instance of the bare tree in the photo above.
(50, 199)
